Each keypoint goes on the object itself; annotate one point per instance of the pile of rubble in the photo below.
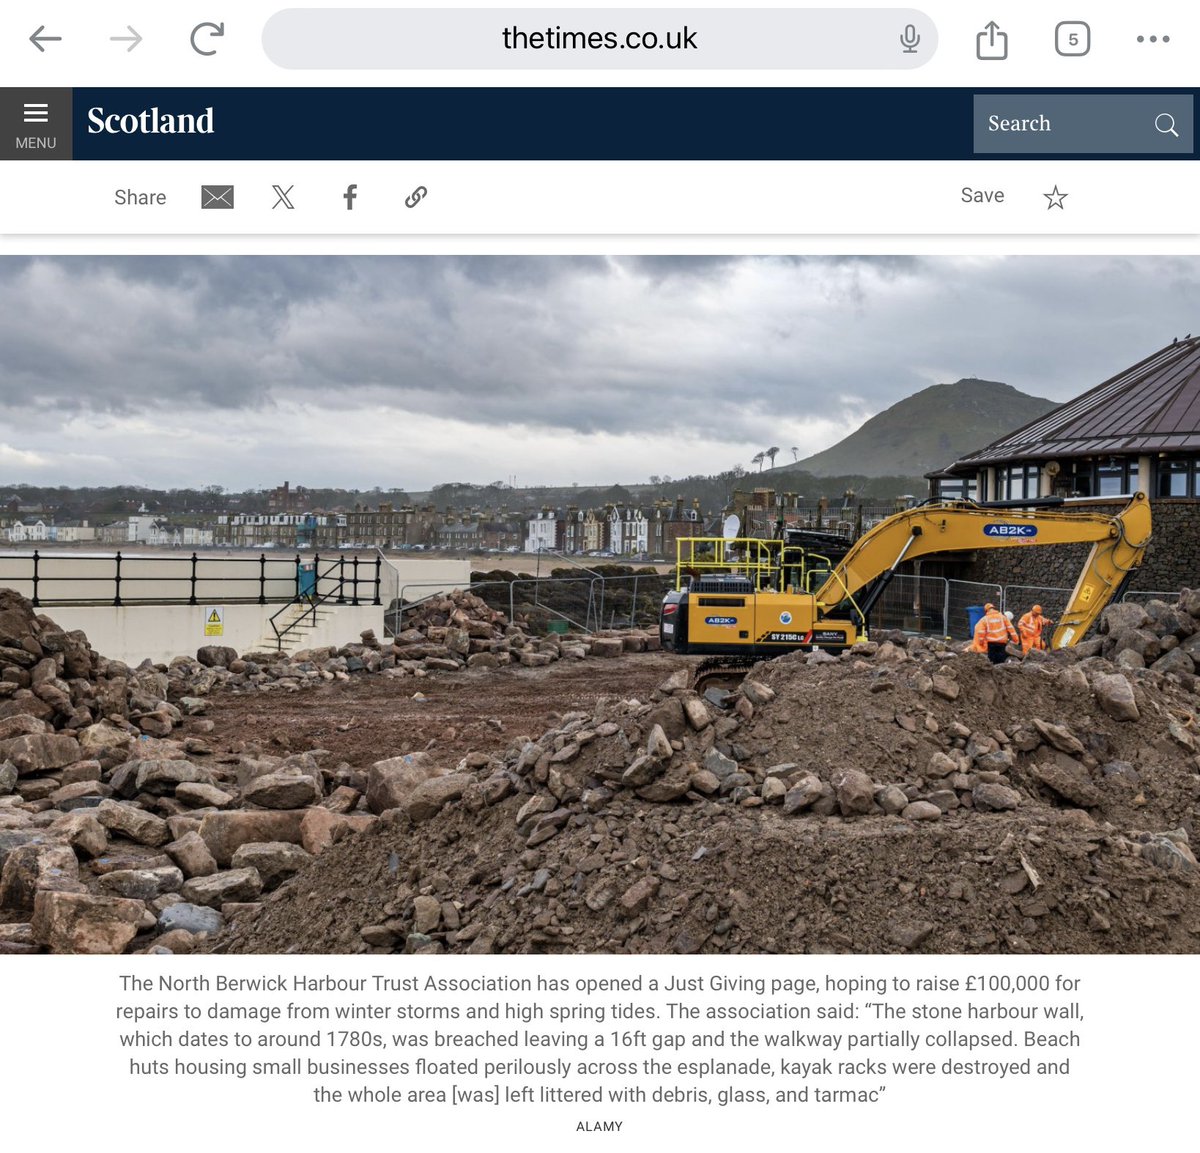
(900, 796)
(111, 831)
(897, 796)
(445, 634)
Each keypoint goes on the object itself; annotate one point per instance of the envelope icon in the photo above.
(216, 195)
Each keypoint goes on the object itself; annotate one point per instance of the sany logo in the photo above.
(1010, 530)
(724, 622)
(785, 618)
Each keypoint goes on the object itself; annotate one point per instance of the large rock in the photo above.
(216, 656)
(192, 855)
(998, 798)
(1140, 641)
(757, 693)
(9, 775)
(189, 918)
(1059, 736)
(641, 771)
(163, 776)
(284, 790)
(718, 764)
(697, 713)
(198, 796)
(275, 861)
(1176, 661)
(607, 646)
(30, 869)
(804, 792)
(855, 792)
(81, 923)
(133, 823)
(142, 884)
(669, 718)
(428, 798)
(658, 745)
(390, 782)
(11, 839)
(220, 888)
(21, 724)
(1114, 694)
(1120, 617)
(225, 833)
(320, 828)
(41, 752)
(83, 833)
(1069, 779)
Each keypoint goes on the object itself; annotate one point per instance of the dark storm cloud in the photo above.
(716, 347)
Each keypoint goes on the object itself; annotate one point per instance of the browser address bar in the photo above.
(624, 38)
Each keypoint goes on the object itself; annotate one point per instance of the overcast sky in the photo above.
(353, 372)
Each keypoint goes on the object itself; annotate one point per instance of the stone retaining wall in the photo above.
(1172, 561)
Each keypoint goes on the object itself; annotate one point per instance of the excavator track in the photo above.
(729, 669)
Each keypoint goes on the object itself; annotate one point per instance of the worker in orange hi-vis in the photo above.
(997, 632)
(1030, 627)
(978, 642)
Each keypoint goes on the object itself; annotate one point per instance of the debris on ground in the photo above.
(901, 796)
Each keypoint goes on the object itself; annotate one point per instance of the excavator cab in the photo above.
(746, 596)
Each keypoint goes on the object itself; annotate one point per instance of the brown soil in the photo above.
(701, 875)
(368, 718)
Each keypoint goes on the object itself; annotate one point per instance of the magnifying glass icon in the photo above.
(1165, 123)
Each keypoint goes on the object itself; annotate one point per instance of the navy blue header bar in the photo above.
(710, 124)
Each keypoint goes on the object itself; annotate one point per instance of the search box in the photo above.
(570, 38)
(1081, 124)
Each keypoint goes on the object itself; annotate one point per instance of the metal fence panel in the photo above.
(914, 604)
(930, 605)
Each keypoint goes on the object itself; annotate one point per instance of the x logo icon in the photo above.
(283, 196)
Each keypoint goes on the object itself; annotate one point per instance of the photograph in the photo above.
(599, 605)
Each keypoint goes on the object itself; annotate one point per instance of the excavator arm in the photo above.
(1118, 545)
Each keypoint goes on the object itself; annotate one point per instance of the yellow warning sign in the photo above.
(214, 621)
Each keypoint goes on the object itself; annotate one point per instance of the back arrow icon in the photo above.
(37, 38)
(135, 38)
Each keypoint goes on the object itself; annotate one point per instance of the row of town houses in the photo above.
(148, 530)
(621, 531)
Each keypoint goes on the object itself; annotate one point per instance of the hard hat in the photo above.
(1008, 613)
(1037, 608)
(988, 607)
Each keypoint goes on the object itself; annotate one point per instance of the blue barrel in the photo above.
(306, 579)
(974, 616)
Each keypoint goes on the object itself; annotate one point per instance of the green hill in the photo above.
(928, 430)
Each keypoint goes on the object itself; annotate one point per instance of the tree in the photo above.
(795, 453)
(758, 459)
(773, 453)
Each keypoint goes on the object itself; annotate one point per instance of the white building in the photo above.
(142, 527)
(29, 529)
(542, 531)
(628, 531)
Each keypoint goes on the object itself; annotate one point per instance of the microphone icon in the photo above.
(910, 38)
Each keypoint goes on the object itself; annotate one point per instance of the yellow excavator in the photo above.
(753, 598)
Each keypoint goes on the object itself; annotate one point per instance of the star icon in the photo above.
(1056, 198)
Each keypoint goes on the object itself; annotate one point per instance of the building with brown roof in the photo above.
(1139, 430)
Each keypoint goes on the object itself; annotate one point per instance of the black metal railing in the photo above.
(336, 583)
(120, 579)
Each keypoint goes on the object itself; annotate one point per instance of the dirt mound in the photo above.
(899, 797)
